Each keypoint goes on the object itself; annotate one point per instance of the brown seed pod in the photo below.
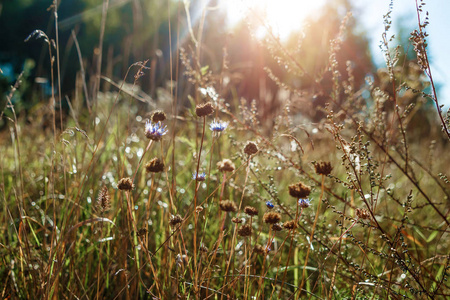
(277, 227)
(205, 109)
(125, 184)
(299, 190)
(323, 168)
(103, 201)
(175, 220)
(362, 213)
(251, 148)
(228, 206)
(271, 217)
(259, 249)
(245, 230)
(289, 225)
(158, 116)
(251, 211)
(156, 165)
(226, 165)
(236, 220)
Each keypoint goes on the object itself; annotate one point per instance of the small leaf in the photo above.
(432, 236)
(204, 70)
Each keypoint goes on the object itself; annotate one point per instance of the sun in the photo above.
(283, 16)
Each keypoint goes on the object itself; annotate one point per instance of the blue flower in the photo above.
(269, 205)
(304, 203)
(199, 177)
(218, 126)
(154, 131)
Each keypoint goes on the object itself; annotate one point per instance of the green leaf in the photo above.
(204, 70)
(432, 236)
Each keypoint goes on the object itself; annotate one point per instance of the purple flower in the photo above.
(304, 203)
(199, 177)
(269, 205)
(154, 131)
(218, 126)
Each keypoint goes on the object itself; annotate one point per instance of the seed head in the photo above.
(323, 168)
(277, 227)
(226, 165)
(198, 209)
(141, 232)
(103, 201)
(156, 165)
(299, 190)
(289, 225)
(228, 206)
(362, 213)
(251, 148)
(205, 109)
(236, 220)
(125, 184)
(158, 116)
(251, 211)
(175, 220)
(245, 230)
(271, 217)
(259, 249)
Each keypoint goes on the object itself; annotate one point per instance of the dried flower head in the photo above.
(125, 184)
(323, 168)
(269, 205)
(141, 232)
(237, 220)
(198, 209)
(362, 213)
(226, 165)
(245, 230)
(158, 116)
(203, 249)
(299, 190)
(103, 202)
(174, 220)
(199, 177)
(271, 217)
(228, 206)
(258, 249)
(218, 126)
(251, 211)
(304, 203)
(277, 227)
(205, 109)
(154, 131)
(250, 148)
(290, 225)
(156, 165)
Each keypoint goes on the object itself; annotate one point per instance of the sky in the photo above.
(370, 13)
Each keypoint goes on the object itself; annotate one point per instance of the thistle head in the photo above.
(154, 131)
(218, 126)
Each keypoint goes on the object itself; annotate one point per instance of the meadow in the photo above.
(334, 188)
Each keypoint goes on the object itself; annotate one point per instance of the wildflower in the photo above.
(199, 177)
(299, 190)
(174, 220)
(245, 230)
(277, 227)
(323, 168)
(154, 131)
(228, 206)
(103, 201)
(158, 116)
(269, 205)
(251, 211)
(203, 110)
(304, 203)
(271, 217)
(218, 126)
(154, 166)
(290, 225)
(251, 148)
(125, 184)
(226, 165)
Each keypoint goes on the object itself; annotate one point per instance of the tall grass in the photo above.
(219, 204)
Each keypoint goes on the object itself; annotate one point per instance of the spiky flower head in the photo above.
(251, 211)
(154, 131)
(218, 126)
(362, 213)
(304, 203)
(269, 205)
(228, 206)
(174, 220)
(158, 116)
(271, 217)
(199, 177)
(250, 148)
(205, 109)
(277, 227)
(226, 165)
(299, 190)
(289, 225)
(323, 168)
(156, 165)
(125, 184)
(237, 220)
